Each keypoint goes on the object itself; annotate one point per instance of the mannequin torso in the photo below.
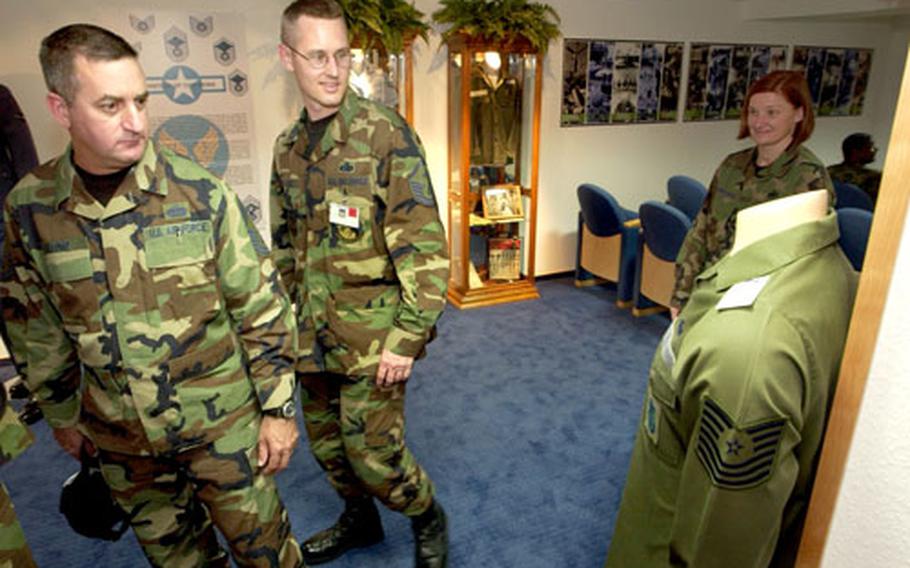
(765, 219)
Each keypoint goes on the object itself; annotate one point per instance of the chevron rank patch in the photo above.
(736, 457)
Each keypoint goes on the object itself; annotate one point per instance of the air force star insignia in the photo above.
(736, 457)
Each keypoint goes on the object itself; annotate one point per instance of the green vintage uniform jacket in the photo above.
(378, 281)
(735, 410)
(738, 184)
(156, 322)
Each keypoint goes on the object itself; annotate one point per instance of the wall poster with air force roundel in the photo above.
(197, 75)
(837, 77)
(720, 75)
(620, 82)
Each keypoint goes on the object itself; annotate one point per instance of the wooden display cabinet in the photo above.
(494, 140)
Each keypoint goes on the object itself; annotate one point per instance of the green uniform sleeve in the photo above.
(416, 242)
(44, 356)
(693, 253)
(740, 465)
(281, 220)
(15, 437)
(258, 304)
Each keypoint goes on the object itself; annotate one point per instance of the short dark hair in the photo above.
(59, 50)
(792, 86)
(325, 9)
(854, 142)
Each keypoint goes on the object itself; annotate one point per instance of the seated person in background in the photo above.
(859, 150)
(738, 396)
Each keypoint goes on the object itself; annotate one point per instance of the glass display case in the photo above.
(383, 77)
(494, 137)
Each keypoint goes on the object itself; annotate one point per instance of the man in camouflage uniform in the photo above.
(148, 320)
(15, 437)
(858, 150)
(358, 241)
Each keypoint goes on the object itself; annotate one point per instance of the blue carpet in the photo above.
(523, 414)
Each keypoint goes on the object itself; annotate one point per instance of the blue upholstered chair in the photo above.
(848, 195)
(663, 229)
(686, 194)
(607, 242)
(854, 225)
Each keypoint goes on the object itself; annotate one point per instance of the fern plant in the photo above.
(383, 24)
(499, 20)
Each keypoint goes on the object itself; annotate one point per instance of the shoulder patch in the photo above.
(736, 457)
(252, 232)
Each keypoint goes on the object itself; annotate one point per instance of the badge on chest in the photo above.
(345, 219)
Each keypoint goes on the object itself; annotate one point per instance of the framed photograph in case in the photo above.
(501, 202)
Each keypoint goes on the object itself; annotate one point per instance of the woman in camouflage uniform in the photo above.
(779, 120)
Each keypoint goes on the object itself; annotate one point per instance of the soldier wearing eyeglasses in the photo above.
(859, 151)
(358, 241)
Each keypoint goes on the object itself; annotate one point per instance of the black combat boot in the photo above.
(357, 527)
(431, 538)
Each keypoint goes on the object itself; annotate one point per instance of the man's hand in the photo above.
(393, 368)
(72, 440)
(277, 438)
(674, 312)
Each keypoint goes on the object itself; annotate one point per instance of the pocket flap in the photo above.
(177, 244)
(66, 266)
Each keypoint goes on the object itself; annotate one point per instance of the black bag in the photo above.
(88, 506)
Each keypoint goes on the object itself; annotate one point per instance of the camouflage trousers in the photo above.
(177, 501)
(356, 433)
(14, 550)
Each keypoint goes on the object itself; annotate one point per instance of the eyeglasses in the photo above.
(319, 59)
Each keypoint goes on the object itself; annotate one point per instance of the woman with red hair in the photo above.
(778, 118)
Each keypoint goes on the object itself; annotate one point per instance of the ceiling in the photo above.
(892, 12)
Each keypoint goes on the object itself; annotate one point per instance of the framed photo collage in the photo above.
(623, 81)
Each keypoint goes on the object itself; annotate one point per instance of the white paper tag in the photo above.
(743, 294)
(344, 215)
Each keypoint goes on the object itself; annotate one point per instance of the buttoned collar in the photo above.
(337, 131)
(72, 196)
(778, 167)
(774, 252)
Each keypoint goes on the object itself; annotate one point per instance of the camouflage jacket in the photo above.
(155, 322)
(864, 178)
(15, 436)
(738, 184)
(357, 238)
